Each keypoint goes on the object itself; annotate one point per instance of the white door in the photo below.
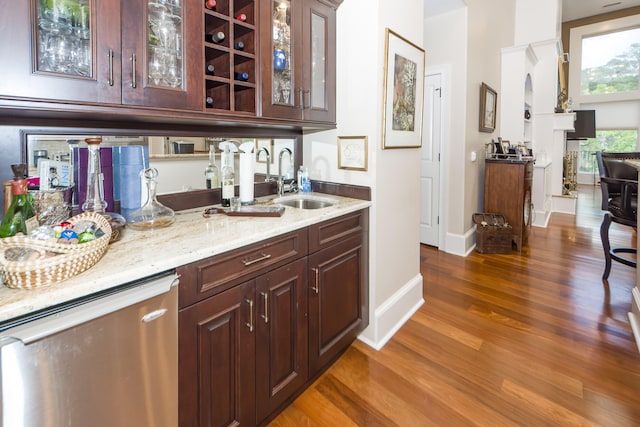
(430, 161)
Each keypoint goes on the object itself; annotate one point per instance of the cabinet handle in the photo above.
(263, 257)
(265, 316)
(250, 322)
(301, 95)
(134, 60)
(316, 288)
(304, 105)
(110, 67)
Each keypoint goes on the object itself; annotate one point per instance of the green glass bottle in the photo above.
(20, 217)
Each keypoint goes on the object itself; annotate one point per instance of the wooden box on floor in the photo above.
(493, 234)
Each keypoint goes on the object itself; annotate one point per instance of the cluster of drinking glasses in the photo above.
(165, 43)
(64, 36)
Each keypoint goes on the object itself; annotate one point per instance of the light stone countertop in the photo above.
(140, 254)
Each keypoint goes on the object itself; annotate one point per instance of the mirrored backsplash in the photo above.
(181, 161)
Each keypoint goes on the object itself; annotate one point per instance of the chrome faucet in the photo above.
(281, 184)
(268, 178)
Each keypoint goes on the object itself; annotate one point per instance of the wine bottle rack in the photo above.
(229, 94)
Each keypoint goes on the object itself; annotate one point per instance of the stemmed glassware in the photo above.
(64, 37)
(165, 43)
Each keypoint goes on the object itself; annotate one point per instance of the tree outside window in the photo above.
(606, 140)
(611, 63)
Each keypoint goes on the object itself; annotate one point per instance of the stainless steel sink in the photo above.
(301, 202)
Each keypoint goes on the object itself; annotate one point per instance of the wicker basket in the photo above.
(493, 234)
(69, 259)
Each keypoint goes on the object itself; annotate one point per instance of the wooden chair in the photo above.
(619, 186)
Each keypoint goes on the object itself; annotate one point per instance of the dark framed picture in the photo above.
(488, 108)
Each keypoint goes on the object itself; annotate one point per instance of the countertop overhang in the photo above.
(141, 254)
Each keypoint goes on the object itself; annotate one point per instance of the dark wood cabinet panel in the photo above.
(337, 300)
(327, 233)
(216, 359)
(507, 191)
(281, 339)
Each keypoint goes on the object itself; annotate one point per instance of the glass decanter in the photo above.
(152, 214)
(94, 200)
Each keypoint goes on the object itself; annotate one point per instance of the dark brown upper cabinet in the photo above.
(298, 49)
(107, 51)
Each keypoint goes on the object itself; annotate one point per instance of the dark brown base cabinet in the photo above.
(507, 191)
(256, 329)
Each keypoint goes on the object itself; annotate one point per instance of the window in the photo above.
(605, 61)
(610, 62)
(606, 140)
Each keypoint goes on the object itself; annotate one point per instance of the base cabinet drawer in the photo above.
(221, 272)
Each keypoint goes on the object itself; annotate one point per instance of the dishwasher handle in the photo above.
(52, 324)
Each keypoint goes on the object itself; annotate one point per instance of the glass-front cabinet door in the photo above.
(281, 38)
(61, 49)
(320, 72)
(65, 37)
(298, 57)
(160, 53)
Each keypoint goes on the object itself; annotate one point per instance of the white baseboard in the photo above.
(389, 317)
(541, 219)
(461, 245)
(564, 204)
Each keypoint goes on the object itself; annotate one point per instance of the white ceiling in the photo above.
(576, 9)
(571, 9)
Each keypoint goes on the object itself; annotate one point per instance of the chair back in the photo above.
(615, 174)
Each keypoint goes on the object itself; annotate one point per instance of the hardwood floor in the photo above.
(531, 339)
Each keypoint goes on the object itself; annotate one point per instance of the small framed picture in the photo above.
(352, 152)
(268, 144)
(488, 108)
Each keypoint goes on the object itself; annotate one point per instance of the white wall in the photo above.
(537, 20)
(393, 175)
(452, 28)
(469, 40)
(486, 40)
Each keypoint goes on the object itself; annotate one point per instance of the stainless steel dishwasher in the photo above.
(110, 361)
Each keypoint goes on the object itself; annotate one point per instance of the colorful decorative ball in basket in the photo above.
(27, 263)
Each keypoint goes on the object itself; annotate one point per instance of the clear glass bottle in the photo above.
(94, 201)
(211, 172)
(152, 214)
(20, 217)
(228, 178)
